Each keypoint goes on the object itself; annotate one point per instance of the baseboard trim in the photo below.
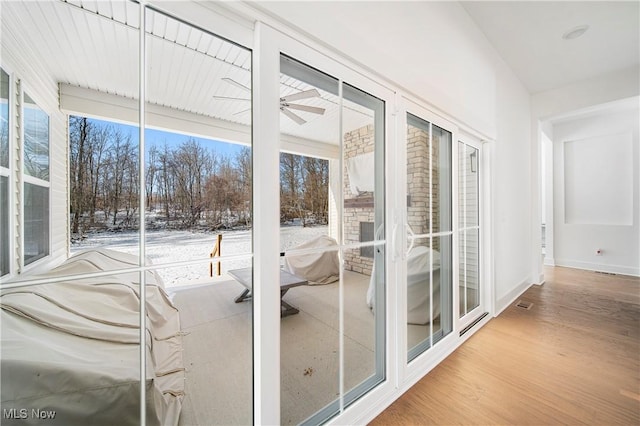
(614, 269)
(504, 302)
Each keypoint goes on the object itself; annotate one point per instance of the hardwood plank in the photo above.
(574, 357)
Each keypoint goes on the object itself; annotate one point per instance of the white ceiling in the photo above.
(94, 45)
(528, 36)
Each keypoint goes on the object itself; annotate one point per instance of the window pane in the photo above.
(469, 271)
(441, 180)
(4, 173)
(310, 338)
(314, 352)
(36, 140)
(36, 222)
(468, 185)
(363, 222)
(4, 119)
(198, 208)
(429, 257)
(4, 225)
(71, 347)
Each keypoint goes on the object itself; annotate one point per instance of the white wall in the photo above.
(512, 204)
(567, 102)
(597, 191)
(547, 197)
(606, 88)
(432, 49)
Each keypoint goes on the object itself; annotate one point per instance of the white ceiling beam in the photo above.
(106, 106)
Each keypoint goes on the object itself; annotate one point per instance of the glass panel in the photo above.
(104, 162)
(469, 271)
(36, 198)
(468, 196)
(198, 207)
(79, 340)
(104, 177)
(4, 174)
(468, 185)
(4, 119)
(36, 222)
(363, 222)
(85, 348)
(4, 226)
(304, 199)
(323, 207)
(443, 246)
(310, 356)
(36, 140)
(420, 289)
(429, 260)
(441, 180)
(216, 327)
(310, 339)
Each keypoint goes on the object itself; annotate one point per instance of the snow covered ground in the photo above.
(165, 246)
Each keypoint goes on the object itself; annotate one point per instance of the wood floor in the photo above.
(573, 358)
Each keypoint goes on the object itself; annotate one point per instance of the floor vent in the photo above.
(524, 305)
(605, 273)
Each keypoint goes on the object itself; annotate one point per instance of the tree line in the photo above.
(187, 186)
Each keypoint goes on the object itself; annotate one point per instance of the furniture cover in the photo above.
(72, 347)
(418, 272)
(317, 268)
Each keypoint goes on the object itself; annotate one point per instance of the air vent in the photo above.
(605, 273)
(524, 305)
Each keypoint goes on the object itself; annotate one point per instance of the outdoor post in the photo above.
(216, 252)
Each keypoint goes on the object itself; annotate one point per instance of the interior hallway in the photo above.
(573, 357)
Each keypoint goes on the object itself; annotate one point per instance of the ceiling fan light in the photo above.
(575, 32)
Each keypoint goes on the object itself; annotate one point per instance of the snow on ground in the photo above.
(164, 246)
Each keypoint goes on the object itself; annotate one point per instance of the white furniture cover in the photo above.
(72, 347)
(361, 172)
(418, 272)
(317, 268)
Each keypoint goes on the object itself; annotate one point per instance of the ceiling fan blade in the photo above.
(227, 98)
(292, 116)
(312, 93)
(235, 83)
(306, 108)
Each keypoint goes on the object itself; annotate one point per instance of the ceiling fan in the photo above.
(285, 102)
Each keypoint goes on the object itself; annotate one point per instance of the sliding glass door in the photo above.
(331, 242)
(429, 254)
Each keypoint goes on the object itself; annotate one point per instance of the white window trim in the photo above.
(9, 172)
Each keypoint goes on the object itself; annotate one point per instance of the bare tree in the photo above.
(79, 129)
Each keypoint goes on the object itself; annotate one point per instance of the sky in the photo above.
(159, 137)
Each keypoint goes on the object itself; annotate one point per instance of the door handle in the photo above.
(412, 238)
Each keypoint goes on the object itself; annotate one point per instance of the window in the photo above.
(36, 181)
(4, 173)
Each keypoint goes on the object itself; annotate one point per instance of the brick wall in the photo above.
(361, 141)
(356, 142)
(418, 210)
